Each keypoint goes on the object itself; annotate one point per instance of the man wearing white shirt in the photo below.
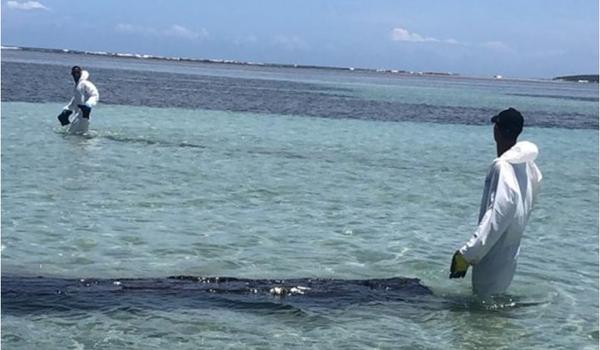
(511, 187)
(85, 96)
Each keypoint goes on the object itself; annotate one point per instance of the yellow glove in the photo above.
(459, 266)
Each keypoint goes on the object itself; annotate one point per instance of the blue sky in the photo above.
(515, 38)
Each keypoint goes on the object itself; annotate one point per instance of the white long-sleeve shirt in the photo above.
(84, 93)
(511, 186)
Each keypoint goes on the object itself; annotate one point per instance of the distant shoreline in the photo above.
(583, 78)
(224, 61)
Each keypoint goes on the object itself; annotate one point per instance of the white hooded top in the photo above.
(511, 187)
(84, 93)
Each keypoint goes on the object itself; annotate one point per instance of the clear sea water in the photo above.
(277, 173)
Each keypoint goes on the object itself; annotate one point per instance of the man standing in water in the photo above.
(85, 96)
(511, 187)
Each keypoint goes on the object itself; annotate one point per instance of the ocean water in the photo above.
(272, 173)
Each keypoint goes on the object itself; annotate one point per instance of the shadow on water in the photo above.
(147, 141)
(31, 295)
(301, 296)
(475, 304)
(93, 135)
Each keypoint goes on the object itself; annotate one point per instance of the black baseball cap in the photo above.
(510, 120)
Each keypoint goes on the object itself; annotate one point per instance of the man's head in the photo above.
(76, 73)
(508, 125)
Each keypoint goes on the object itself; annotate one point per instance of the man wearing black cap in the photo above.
(511, 186)
(85, 96)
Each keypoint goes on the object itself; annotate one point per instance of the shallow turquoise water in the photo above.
(157, 192)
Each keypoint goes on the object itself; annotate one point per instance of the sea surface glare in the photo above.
(263, 174)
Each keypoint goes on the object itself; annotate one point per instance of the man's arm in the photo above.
(498, 216)
(71, 106)
(92, 92)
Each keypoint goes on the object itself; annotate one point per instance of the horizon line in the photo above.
(271, 64)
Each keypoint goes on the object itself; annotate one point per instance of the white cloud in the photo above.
(26, 6)
(185, 33)
(497, 46)
(245, 40)
(175, 30)
(402, 34)
(290, 42)
(130, 28)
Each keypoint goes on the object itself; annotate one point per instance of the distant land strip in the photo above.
(226, 61)
(584, 78)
